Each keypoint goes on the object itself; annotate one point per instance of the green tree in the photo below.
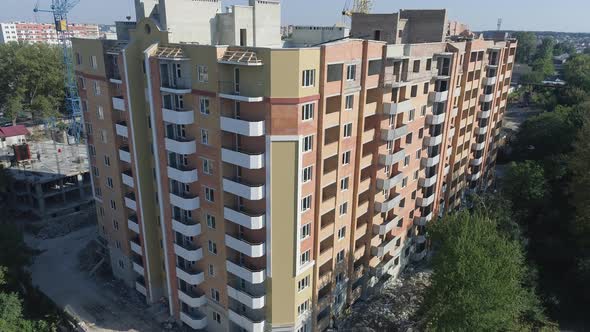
(580, 182)
(478, 278)
(525, 185)
(577, 71)
(563, 48)
(32, 80)
(527, 43)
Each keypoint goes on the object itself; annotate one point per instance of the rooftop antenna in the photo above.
(499, 24)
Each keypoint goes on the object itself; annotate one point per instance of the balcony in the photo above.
(246, 323)
(479, 146)
(384, 267)
(390, 159)
(457, 91)
(251, 301)
(490, 80)
(481, 130)
(127, 179)
(132, 224)
(476, 161)
(392, 134)
(242, 189)
(135, 246)
(422, 221)
(451, 132)
(188, 251)
(387, 226)
(420, 239)
(418, 256)
(121, 129)
(385, 247)
(454, 112)
(124, 155)
(429, 162)
(246, 248)
(119, 103)
(243, 127)
(432, 119)
(427, 182)
(176, 85)
(182, 174)
(387, 184)
(393, 108)
(370, 109)
(229, 90)
(138, 267)
(178, 116)
(186, 227)
(253, 276)
(190, 277)
(433, 141)
(140, 286)
(439, 97)
(475, 177)
(130, 201)
(243, 158)
(425, 201)
(487, 98)
(185, 201)
(191, 298)
(484, 114)
(194, 320)
(388, 205)
(245, 219)
(181, 145)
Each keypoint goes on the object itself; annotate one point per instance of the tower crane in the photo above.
(60, 10)
(358, 6)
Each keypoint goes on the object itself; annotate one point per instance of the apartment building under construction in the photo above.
(257, 187)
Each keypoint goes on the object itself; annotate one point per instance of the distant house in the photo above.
(13, 135)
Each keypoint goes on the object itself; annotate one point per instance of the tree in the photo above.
(564, 48)
(525, 185)
(577, 71)
(32, 80)
(527, 43)
(579, 164)
(477, 283)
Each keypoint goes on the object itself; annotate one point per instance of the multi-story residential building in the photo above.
(259, 187)
(43, 32)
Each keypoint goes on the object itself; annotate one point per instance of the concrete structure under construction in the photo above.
(263, 188)
(45, 33)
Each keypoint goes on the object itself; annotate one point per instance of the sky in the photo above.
(560, 15)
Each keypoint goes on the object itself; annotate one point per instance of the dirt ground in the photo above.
(99, 305)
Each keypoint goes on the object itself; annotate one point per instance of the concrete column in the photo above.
(40, 198)
(80, 181)
(62, 189)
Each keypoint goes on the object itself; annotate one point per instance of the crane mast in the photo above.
(60, 10)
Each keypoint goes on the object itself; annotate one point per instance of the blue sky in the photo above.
(563, 15)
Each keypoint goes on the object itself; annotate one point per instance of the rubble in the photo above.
(394, 308)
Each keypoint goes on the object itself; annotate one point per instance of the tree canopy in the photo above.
(527, 44)
(478, 279)
(577, 71)
(32, 80)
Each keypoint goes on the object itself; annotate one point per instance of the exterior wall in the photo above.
(8, 33)
(304, 36)
(189, 20)
(364, 26)
(267, 22)
(425, 26)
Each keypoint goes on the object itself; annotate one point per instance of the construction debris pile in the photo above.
(392, 309)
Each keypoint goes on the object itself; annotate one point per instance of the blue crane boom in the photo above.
(60, 10)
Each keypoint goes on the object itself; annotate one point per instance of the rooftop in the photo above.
(12, 131)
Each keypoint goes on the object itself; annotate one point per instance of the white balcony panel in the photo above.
(396, 108)
(192, 255)
(181, 147)
(457, 91)
(141, 288)
(479, 146)
(176, 90)
(422, 221)
(127, 180)
(185, 203)
(133, 225)
(253, 277)
(439, 97)
(193, 322)
(484, 114)
(418, 256)
(451, 132)
(194, 302)
(390, 159)
(118, 103)
(186, 230)
(454, 112)
(386, 184)
(193, 279)
(252, 193)
(388, 205)
(121, 129)
(476, 162)
(490, 80)
(249, 249)
(427, 182)
(243, 219)
(184, 176)
(246, 299)
(432, 119)
(237, 97)
(245, 323)
(385, 247)
(125, 156)
(433, 141)
(249, 161)
(392, 134)
(425, 201)
(487, 98)
(138, 268)
(475, 177)
(387, 226)
(178, 116)
(136, 248)
(130, 203)
(481, 130)
(429, 162)
(242, 127)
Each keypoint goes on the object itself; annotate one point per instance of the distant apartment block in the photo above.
(261, 187)
(43, 32)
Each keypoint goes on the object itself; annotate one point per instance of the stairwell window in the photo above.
(203, 73)
(351, 72)
(306, 203)
(308, 78)
(307, 174)
(346, 158)
(204, 104)
(212, 247)
(93, 62)
(307, 143)
(307, 112)
(209, 194)
(304, 259)
(97, 91)
(305, 231)
(211, 221)
(205, 136)
(340, 256)
(349, 102)
(347, 130)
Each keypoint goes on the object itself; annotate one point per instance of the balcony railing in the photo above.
(250, 274)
